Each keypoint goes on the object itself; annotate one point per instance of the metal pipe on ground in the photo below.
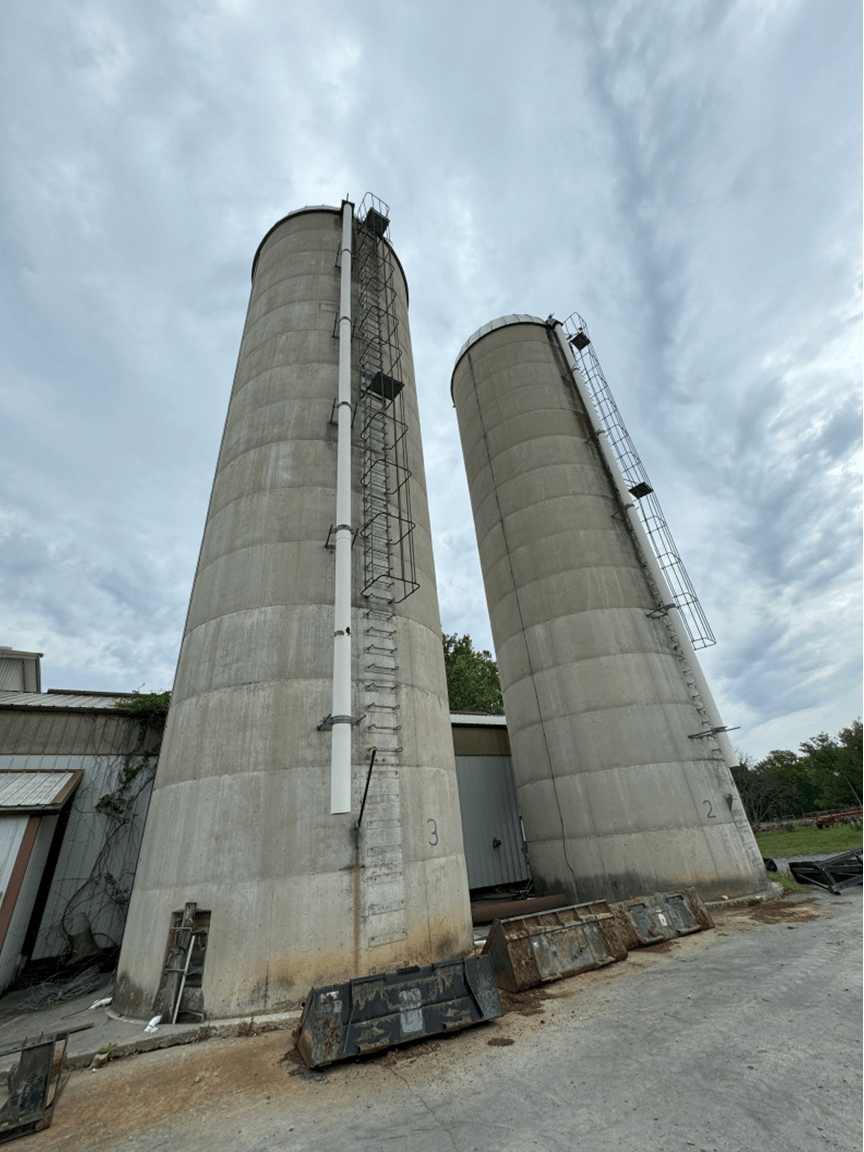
(485, 913)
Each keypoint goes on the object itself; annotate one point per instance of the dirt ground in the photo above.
(249, 1089)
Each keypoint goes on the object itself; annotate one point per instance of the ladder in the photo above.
(636, 479)
(653, 521)
(389, 572)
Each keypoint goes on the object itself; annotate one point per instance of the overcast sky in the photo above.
(687, 175)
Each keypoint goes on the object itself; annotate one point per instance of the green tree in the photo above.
(827, 774)
(472, 677)
(768, 790)
(834, 765)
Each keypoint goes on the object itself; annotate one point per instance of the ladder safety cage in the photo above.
(389, 569)
(638, 484)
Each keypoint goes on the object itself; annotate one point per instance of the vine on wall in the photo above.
(110, 880)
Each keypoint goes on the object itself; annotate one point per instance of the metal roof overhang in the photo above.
(478, 719)
(64, 701)
(41, 791)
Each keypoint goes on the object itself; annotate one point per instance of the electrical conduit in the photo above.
(340, 761)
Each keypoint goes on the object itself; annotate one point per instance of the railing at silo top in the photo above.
(638, 484)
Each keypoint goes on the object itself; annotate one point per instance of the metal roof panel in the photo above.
(78, 701)
(35, 789)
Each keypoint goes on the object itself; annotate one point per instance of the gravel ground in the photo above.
(746, 1038)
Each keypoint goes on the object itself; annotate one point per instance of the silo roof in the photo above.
(501, 322)
(336, 212)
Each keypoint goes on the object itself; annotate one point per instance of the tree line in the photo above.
(825, 773)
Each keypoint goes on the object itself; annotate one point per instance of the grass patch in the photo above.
(839, 838)
(788, 883)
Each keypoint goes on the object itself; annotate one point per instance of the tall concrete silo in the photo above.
(313, 637)
(617, 749)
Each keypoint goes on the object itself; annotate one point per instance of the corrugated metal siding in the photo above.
(86, 836)
(38, 732)
(11, 674)
(32, 675)
(490, 811)
(29, 789)
(17, 930)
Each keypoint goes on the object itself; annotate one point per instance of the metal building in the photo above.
(618, 753)
(313, 638)
(19, 671)
(75, 783)
(491, 823)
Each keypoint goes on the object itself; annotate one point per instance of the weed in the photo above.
(788, 883)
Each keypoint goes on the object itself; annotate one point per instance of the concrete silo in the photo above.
(278, 702)
(621, 762)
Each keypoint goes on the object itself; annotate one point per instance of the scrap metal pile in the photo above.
(833, 873)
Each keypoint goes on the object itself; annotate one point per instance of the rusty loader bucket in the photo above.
(530, 950)
(662, 916)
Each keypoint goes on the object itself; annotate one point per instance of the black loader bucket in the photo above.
(376, 1012)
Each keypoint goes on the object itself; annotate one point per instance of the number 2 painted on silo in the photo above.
(434, 839)
(711, 813)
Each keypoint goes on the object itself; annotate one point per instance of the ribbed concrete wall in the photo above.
(616, 799)
(240, 817)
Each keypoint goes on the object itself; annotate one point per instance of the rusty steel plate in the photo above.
(530, 950)
(376, 1012)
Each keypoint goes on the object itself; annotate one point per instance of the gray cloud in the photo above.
(687, 176)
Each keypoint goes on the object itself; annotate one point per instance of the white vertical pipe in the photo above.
(340, 753)
(657, 574)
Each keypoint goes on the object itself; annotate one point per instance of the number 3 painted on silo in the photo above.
(434, 839)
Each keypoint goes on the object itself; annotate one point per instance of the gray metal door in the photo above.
(491, 827)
